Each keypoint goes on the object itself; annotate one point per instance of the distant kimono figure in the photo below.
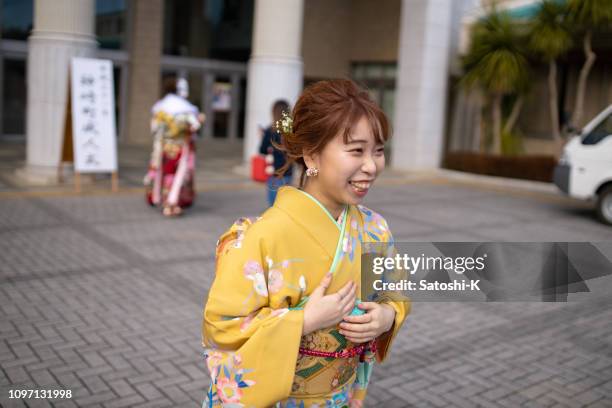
(170, 179)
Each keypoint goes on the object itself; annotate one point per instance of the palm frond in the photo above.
(550, 33)
(591, 13)
(496, 59)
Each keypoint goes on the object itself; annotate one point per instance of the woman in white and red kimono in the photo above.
(170, 179)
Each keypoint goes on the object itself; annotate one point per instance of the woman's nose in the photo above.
(368, 165)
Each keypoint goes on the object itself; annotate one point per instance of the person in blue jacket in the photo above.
(270, 136)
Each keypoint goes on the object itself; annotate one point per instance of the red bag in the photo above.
(258, 168)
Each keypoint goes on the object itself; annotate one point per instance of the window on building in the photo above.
(216, 29)
(111, 17)
(379, 79)
(13, 98)
(17, 19)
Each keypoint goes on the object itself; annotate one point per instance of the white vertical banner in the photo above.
(94, 132)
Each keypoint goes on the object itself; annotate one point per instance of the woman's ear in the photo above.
(311, 160)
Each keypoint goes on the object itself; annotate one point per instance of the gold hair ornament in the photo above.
(285, 124)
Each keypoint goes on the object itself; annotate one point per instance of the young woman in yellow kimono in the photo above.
(284, 324)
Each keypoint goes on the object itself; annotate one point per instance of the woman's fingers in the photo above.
(356, 327)
(320, 290)
(359, 337)
(346, 309)
(345, 289)
(349, 300)
(365, 318)
(346, 293)
(359, 341)
(368, 305)
(326, 281)
(351, 294)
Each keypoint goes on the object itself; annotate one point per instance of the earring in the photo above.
(312, 172)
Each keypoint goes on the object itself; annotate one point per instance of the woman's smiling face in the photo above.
(346, 170)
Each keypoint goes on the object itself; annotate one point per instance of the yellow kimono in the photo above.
(252, 326)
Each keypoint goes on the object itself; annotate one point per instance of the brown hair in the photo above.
(325, 109)
(169, 85)
(278, 108)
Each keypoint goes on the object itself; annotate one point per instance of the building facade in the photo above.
(241, 55)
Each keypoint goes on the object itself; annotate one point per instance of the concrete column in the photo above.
(235, 109)
(145, 67)
(62, 29)
(275, 68)
(207, 100)
(421, 86)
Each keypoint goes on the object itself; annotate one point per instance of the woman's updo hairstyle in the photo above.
(325, 109)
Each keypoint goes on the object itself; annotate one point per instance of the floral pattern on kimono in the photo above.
(228, 376)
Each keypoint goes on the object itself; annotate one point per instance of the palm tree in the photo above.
(589, 16)
(550, 37)
(496, 62)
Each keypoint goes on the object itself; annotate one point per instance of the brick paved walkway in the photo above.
(103, 296)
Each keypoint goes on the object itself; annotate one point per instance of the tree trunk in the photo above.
(496, 113)
(553, 100)
(514, 115)
(477, 122)
(582, 79)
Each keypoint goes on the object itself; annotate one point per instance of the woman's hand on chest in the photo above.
(326, 310)
(377, 320)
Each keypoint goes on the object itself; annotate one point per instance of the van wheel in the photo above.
(604, 205)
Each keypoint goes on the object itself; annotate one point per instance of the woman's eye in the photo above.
(380, 151)
(356, 150)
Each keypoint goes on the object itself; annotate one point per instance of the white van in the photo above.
(584, 170)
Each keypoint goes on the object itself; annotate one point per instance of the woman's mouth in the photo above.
(360, 187)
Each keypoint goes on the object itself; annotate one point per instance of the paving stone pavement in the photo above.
(103, 296)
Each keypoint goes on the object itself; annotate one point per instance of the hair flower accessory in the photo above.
(285, 124)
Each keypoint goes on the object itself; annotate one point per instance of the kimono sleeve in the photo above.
(194, 122)
(251, 349)
(401, 307)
